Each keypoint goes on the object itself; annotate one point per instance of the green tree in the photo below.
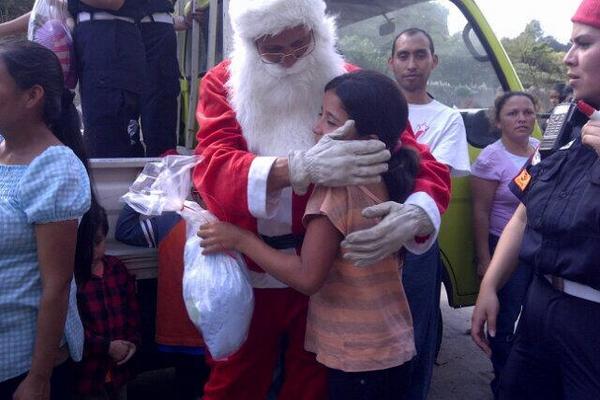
(534, 57)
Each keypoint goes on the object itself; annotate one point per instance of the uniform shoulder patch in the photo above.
(523, 179)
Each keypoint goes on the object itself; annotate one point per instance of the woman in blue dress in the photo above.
(44, 191)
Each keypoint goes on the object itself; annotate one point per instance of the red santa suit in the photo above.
(249, 113)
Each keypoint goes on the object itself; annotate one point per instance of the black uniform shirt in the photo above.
(131, 8)
(562, 196)
(158, 6)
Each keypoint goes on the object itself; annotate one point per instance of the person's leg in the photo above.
(159, 100)
(576, 324)
(303, 377)
(511, 297)
(387, 384)
(532, 371)
(111, 79)
(191, 373)
(247, 374)
(421, 277)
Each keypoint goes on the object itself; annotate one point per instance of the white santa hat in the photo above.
(252, 19)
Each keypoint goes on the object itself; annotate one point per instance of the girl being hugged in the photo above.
(359, 323)
(44, 191)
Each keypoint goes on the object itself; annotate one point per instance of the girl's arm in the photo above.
(501, 267)
(305, 273)
(15, 26)
(56, 256)
(483, 191)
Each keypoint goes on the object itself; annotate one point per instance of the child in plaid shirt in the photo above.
(359, 323)
(110, 314)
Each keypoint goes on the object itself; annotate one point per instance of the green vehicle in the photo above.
(473, 69)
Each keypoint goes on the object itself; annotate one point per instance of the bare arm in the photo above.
(15, 26)
(56, 256)
(305, 274)
(482, 191)
(113, 5)
(506, 255)
(501, 267)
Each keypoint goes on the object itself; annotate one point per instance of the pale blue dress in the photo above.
(53, 187)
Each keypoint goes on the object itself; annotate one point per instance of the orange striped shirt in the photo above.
(360, 319)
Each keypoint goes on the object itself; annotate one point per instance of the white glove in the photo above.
(400, 224)
(337, 162)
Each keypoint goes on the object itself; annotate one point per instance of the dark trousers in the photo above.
(556, 353)
(111, 71)
(386, 384)
(161, 88)
(421, 277)
(511, 297)
(61, 383)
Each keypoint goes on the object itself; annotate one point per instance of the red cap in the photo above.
(588, 13)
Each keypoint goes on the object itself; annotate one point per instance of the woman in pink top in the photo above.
(494, 204)
(359, 323)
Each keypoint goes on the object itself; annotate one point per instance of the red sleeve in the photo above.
(222, 177)
(433, 177)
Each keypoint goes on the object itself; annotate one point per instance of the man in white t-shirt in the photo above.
(443, 130)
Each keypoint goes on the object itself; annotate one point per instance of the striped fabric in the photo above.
(360, 319)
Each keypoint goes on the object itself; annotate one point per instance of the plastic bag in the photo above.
(50, 25)
(216, 288)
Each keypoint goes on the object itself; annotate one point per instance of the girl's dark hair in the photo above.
(92, 229)
(31, 64)
(379, 108)
(501, 100)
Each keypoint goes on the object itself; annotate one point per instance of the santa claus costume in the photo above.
(249, 114)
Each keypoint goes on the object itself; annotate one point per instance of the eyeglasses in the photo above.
(297, 53)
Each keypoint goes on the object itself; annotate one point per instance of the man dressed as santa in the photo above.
(256, 115)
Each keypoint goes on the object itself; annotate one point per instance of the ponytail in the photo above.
(400, 177)
(67, 127)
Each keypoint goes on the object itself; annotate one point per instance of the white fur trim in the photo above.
(427, 203)
(258, 177)
(252, 19)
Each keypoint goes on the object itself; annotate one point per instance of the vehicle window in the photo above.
(465, 77)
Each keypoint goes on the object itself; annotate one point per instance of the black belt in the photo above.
(281, 242)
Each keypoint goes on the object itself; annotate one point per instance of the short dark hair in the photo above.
(378, 107)
(412, 32)
(501, 100)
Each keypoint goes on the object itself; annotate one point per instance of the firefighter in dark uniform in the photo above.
(556, 229)
(110, 55)
(161, 88)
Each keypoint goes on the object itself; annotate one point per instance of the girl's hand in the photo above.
(33, 388)
(131, 349)
(486, 310)
(221, 236)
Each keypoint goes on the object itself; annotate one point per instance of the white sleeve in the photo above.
(427, 203)
(452, 148)
(260, 203)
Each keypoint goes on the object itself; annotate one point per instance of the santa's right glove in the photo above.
(334, 161)
(399, 224)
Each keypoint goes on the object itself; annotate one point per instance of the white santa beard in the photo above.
(277, 107)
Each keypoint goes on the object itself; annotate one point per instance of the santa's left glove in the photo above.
(400, 224)
(334, 161)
